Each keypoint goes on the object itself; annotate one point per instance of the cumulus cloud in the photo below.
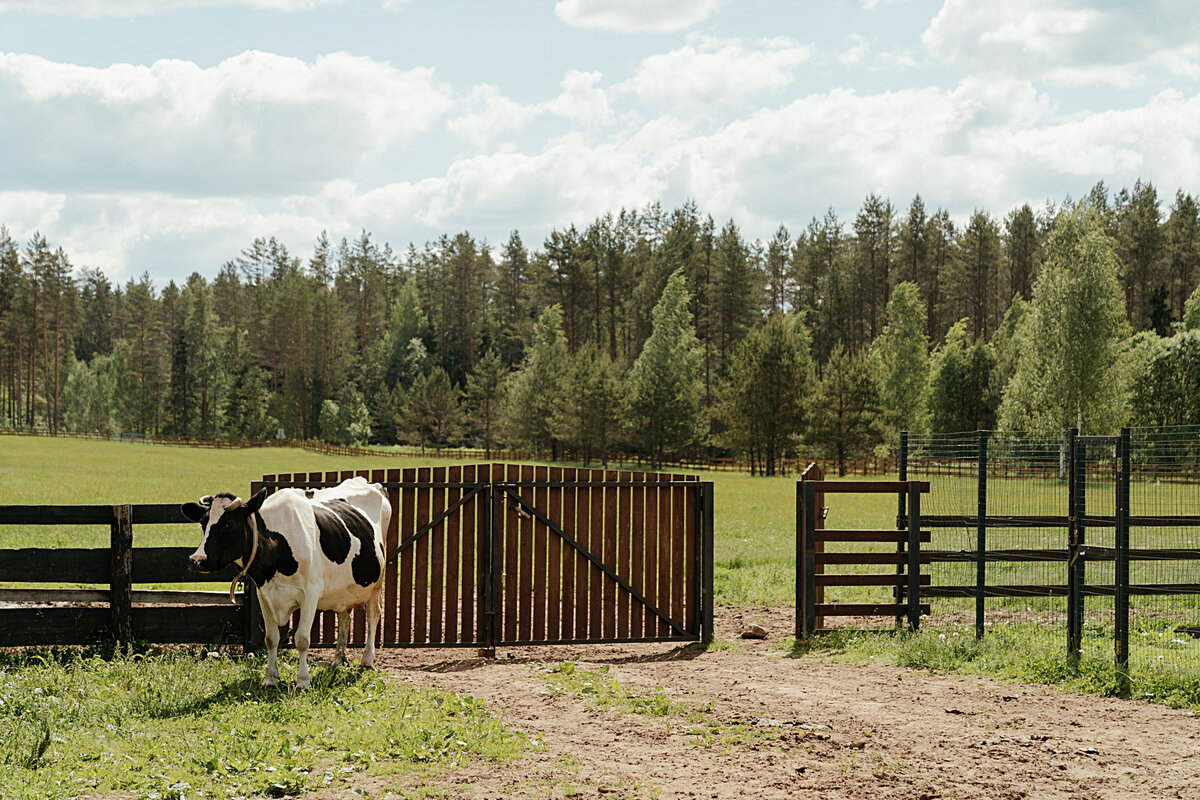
(630, 16)
(486, 113)
(1068, 42)
(709, 72)
(135, 8)
(255, 122)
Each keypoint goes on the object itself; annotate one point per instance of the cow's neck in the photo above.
(263, 567)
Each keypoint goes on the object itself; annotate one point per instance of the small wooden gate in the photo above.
(498, 554)
(812, 558)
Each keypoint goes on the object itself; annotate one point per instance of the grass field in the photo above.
(180, 724)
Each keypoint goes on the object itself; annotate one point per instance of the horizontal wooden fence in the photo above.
(32, 616)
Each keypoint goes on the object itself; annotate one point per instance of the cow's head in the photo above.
(225, 521)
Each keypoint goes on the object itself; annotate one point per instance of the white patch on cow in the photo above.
(219, 504)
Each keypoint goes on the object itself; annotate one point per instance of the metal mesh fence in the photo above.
(1164, 604)
(1001, 508)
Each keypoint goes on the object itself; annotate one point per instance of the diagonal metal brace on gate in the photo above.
(511, 491)
(424, 530)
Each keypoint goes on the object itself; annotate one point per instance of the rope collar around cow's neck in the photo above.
(250, 560)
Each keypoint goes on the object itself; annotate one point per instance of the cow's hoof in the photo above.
(367, 664)
(268, 683)
(339, 660)
(304, 684)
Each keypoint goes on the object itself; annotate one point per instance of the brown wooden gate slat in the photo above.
(690, 583)
(637, 546)
(437, 555)
(468, 514)
(623, 545)
(512, 541)
(664, 553)
(407, 559)
(391, 540)
(583, 516)
(421, 564)
(610, 555)
(596, 579)
(678, 553)
(538, 575)
(554, 596)
(569, 555)
(453, 548)
(650, 555)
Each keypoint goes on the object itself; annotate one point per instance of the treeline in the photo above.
(654, 331)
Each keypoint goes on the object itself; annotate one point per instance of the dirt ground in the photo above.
(838, 731)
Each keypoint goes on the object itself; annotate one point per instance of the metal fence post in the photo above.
(1074, 548)
(1121, 600)
(898, 592)
(981, 535)
(914, 555)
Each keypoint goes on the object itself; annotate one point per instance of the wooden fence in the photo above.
(38, 616)
(499, 554)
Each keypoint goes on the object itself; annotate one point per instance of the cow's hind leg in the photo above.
(339, 657)
(308, 613)
(374, 612)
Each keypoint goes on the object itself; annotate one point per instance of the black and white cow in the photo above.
(314, 550)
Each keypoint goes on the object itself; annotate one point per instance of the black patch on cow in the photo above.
(337, 521)
(274, 555)
(309, 493)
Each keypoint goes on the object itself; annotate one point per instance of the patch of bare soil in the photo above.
(835, 731)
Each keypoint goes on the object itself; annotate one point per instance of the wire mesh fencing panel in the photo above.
(1164, 545)
(1096, 468)
(997, 507)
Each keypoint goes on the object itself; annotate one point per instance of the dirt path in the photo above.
(836, 731)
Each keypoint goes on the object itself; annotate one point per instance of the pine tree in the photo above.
(534, 392)
(963, 387)
(485, 396)
(846, 412)
(664, 384)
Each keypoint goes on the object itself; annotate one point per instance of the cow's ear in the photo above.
(194, 511)
(255, 503)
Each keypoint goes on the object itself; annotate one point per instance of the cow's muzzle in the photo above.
(198, 564)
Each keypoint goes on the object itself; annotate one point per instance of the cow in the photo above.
(312, 550)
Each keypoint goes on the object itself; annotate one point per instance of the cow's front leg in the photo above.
(339, 657)
(374, 612)
(272, 641)
(308, 613)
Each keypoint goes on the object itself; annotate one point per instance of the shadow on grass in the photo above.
(326, 681)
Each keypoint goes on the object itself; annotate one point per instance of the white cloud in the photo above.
(708, 72)
(857, 50)
(135, 8)
(254, 122)
(629, 16)
(488, 114)
(1070, 42)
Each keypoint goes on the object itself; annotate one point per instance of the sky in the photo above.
(163, 136)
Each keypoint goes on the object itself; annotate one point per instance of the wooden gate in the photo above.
(497, 554)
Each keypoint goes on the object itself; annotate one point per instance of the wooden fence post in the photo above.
(121, 570)
(981, 535)
(914, 555)
(706, 570)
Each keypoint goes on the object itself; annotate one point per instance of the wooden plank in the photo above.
(421, 564)
(453, 556)
(470, 550)
(868, 558)
(525, 563)
(42, 565)
(160, 514)
(35, 627)
(554, 569)
(679, 541)
(637, 546)
(56, 515)
(407, 559)
(868, 487)
(664, 553)
(583, 516)
(609, 603)
(650, 555)
(569, 555)
(437, 557)
(192, 625)
(596, 579)
(512, 551)
(865, 609)
(1005, 555)
(830, 579)
(391, 569)
(624, 601)
(899, 537)
(166, 565)
(538, 577)
(121, 569)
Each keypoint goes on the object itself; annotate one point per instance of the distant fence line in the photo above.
(935, 463)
